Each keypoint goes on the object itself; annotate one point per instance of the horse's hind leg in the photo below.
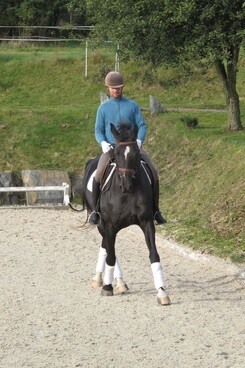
(97, 280)
(149, 232)
(162, 296)
(121, 286)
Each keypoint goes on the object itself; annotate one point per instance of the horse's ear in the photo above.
(114, 131)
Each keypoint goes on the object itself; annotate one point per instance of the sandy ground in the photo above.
(51, 317)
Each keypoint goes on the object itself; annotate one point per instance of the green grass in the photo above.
(47, 118)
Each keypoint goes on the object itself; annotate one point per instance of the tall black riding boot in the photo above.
(160, 220)
(94, 218)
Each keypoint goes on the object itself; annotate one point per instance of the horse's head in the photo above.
(127, 155)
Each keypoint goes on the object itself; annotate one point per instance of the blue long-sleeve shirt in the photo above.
(117, 111)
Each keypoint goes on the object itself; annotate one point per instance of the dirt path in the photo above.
(51, 317)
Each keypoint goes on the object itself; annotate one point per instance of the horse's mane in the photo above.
(126, 133)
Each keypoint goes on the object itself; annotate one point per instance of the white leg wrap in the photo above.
(100, 266)
(109, 274)
(98, 277)
(157, 275)
(118, 271)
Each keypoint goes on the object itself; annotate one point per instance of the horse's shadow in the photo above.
(225, 288)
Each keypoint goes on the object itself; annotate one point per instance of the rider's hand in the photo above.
(139, 143)
(105, 146)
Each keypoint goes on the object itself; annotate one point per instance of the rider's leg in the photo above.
(155, 187)
(94, 218)
(157, 213)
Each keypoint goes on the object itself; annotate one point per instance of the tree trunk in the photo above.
(233, 107)
(228, 77)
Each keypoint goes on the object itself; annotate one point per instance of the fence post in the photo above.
(117, 62)
(86, 60)
(66, 194)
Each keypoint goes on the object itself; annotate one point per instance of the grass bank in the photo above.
(47, 117)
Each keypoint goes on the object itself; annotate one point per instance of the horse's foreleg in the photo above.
(109, 276)
(97, 280)
(110, 238)
(107, 289)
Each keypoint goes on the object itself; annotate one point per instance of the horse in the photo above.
(126, 199)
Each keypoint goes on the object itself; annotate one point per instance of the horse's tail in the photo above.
(84, 201)
(80, 210)
(77, 209)
(89, 168)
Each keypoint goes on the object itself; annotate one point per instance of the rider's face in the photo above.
(115, 92)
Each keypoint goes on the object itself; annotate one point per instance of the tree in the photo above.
(42, 13)
(8, 12)
(173, 30)
(77, 11)
(34, 12)
(37, 13)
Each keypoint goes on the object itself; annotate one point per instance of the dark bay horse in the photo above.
(126, 199)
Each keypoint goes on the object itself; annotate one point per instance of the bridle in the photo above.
(123, 171)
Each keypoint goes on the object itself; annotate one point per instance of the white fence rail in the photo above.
(64, 188)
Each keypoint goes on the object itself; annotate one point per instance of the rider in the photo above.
(116, 110)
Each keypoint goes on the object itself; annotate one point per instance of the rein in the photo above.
(126, 143)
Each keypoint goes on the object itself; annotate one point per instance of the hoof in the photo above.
(162, 297)
(121, 289)
(107, 290)
(96, 284)
(164, 300)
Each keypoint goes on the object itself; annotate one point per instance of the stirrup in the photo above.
(94, 218)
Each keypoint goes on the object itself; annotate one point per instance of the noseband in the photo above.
(123, 170)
